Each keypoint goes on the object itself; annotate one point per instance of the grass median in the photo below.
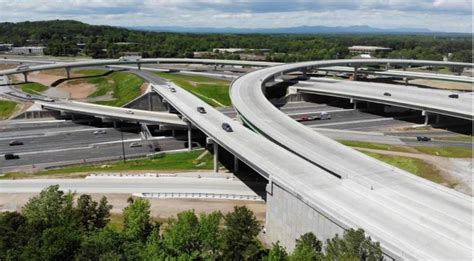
(374, 146)
(185, 161)
(33, 87)
(414, 166)
(214, 92)
(122, 86)
(450, 152)
(7, 108)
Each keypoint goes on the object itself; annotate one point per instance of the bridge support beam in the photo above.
(356, 69)
(139, 66)
(406, 80)
(216, 157)
(68, 72)
(190, 145)
(236, 164)
(427, 117)
(354, 102)
(25, 76)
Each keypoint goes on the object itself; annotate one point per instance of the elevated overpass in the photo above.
(428, 100)
(118, 113)
(433, 210)
(104, 62)
(411, 217)
(401, 74)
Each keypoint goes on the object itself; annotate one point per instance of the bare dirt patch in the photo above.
(7, 66)
(77, 89)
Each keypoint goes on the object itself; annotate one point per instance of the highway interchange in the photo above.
(428, 211)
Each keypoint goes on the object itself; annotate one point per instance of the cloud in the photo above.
(456, 15)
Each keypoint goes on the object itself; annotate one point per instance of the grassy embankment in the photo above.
(450, 152)
(33, 88)
(214, 92)
(415, 166)
(122, 86)
(162, 162)
(7, 108)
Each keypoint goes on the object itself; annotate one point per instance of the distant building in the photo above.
(239, 50)
(361, 49)
(5, 47)
(31, 50)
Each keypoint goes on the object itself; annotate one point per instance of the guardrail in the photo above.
(171, 195)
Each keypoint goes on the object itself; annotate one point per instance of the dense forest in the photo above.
(62, 36)
(55, 226)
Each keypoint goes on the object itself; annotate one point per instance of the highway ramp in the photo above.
(432, 211)
(118, 113)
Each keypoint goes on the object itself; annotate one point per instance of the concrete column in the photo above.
(115, 125)
(216, 157)
(406, 80)
(236, 164)
(139, 66)
(437, 119)
(190, 145)
(25, 75)
(68, 72)
(427, 117)
(173, 133)
(356, 69)
(355, 104)
(150, 102)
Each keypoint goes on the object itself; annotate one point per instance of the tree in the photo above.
(277, 253)
(307, 247)
(137, 222)
(12, 235)
(51, 208)
(353, 245)
(239, 235)
(209, 233)
(92, 215)
(100, 244)
(181, 236)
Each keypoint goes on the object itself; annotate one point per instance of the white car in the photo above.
(129, 112)
(135, 145)
(100, 132)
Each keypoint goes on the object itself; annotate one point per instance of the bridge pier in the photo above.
(139, 66)
(189, 137)
(216, 157)
(25, 76)
(236, 164)
(356, 69)
(68, 72)
(354, 102)
(427, 117)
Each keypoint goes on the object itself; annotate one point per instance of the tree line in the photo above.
(54, 226)
(61, 38)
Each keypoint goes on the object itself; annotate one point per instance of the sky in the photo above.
(436, 15)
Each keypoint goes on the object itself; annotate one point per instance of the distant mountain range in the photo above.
(286, 30)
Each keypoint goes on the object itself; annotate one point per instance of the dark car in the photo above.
(201, 110)
(454, 96)
(387, 94)
(10, 156)
(226, 126)
(15, 143)
(423, 138)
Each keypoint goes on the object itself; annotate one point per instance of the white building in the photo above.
(34, 50)
(361, 49)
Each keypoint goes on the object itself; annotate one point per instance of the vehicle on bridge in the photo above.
(226, 126)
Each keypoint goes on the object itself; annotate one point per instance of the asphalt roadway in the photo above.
(126, 186)
(49, 143)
